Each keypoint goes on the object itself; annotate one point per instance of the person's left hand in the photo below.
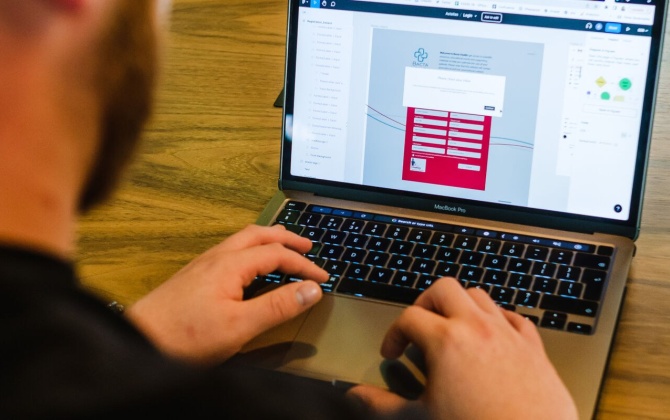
(199, 315)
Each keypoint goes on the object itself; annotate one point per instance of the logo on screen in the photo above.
(420, 57)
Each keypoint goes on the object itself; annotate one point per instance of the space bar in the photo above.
(380, 291)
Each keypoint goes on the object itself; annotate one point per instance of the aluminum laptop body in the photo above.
(512, 122)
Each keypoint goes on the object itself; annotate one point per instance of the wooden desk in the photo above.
(209, 164)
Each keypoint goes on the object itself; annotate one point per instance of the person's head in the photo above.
(101, 59)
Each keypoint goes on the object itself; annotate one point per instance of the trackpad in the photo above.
(346, 334)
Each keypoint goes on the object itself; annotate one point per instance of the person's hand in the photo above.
(199, 314)
(482, 362)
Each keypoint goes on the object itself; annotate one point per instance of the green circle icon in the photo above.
(625, 83)
(605, 96)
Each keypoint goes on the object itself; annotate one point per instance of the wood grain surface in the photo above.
(209, 163)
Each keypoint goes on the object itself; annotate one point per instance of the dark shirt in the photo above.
(64, 354)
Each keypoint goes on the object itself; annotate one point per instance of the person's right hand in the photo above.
(482, 362)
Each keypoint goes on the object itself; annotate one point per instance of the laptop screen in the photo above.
(536, 104)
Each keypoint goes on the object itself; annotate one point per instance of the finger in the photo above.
(254, 235)
(379, 400)
(415, 325)
(483, 300)
(265, 259)
(524, 326)
(446, 297)
(277, 306)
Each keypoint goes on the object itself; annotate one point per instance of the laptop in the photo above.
(503, 143)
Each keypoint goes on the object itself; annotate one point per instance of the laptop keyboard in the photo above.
(555, 284)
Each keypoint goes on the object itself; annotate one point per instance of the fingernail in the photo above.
(308, 293)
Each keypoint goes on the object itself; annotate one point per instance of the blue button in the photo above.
(322, 210)
(345, 213)
(614, 28)
(316, 3)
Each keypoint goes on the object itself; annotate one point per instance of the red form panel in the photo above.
(446, 148)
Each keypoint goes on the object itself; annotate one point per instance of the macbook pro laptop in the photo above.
(503, 143)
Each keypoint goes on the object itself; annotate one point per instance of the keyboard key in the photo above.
(594, 281)
(375, 229)
(527, 298)
(502, 294)
(419, 235)
(559, 256)
(545, 285)
(333, 252)
(400, 262)
(315, 250)
(401, 247)
(381, 275)
(471, 274)
(288, 216)
(317, 260)
(518, 265)
(354, 255)
(335, 267)
(377, 258)
(513, 249)
(495, 277)
(605, 250)
(312, 233)
(404, 278)
(331, 222)
(520, 281)
(554, 320)
(379, 244)
(447, 254)
(465, 242)
(535, 320)
(425, 282)
(357, 271)
(569, 305)
(310, 219)
(565, 272)
(447, 269)
(471, 258)
(330, 285)
(424, 251)
(353, 225)
(320, 209)
(464, 230)
(570, 289)
(538, 253)
(579, 328)
(295, 205)
(397, 232)
(490, 246)
(297, 229)
(343, 213)
(423, 266)
(355, 240)
(476, 285)
(380, 291)
(544, 269)
(334, 237)
(495, 261)
(442, 239)
(598, 262)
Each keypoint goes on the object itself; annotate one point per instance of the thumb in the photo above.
(279, 305)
